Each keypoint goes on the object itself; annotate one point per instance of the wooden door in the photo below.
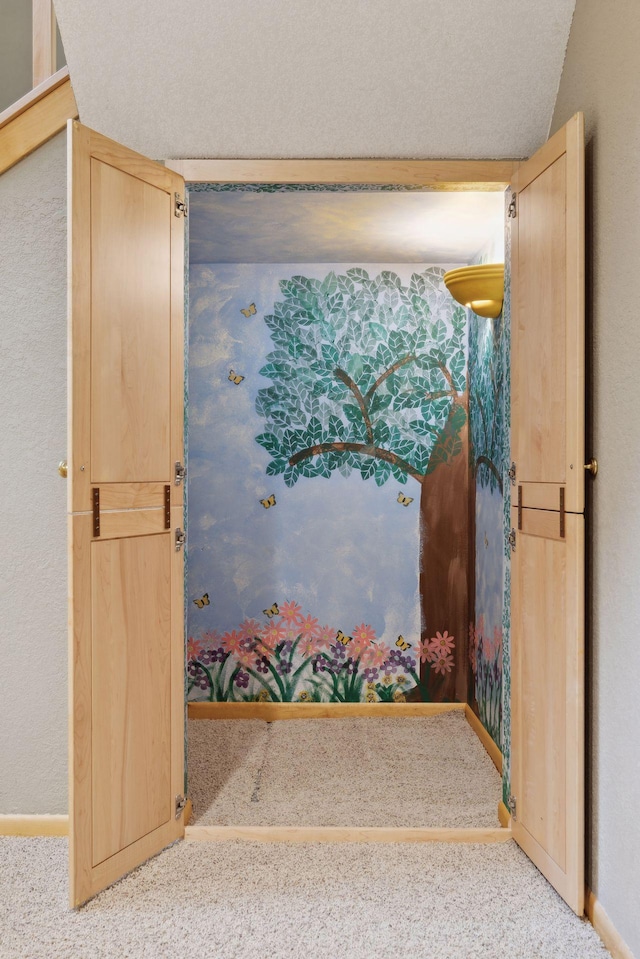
(547, 565)
(126, 664)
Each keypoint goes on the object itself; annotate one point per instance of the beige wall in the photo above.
(601, 77)
(33, 565)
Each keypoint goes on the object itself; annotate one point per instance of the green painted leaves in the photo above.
(365, 374)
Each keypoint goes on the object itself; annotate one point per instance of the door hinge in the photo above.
(511, 473)
(180, 206)
(181, 802)
(512, 210)
(180, 473)
(512, 807)
(512, 540)
(95, 504)
(180, 539)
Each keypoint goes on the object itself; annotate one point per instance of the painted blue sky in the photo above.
(341, 547)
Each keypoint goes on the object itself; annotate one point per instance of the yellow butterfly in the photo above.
(235, 378)
(341, 638)
(402, 644)
(269, 501)
(272, 611)
(250, 310)
(202, 602)
(405, 500)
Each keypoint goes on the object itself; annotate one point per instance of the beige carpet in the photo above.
(287, 901)
(423, 771)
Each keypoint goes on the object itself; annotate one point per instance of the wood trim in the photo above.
(188, 813)
(34, 825)
(343, 834)
(35, 119)
(488, 175)
(504, 816)
(605, 928)
(43, 40)
(273, 711)
(484, 737)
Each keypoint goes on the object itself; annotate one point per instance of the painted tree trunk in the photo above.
(444, 570)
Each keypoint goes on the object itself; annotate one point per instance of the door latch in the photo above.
(512, 807)
(512, 540)
(511, 473)
(180, 539)
(181, 802)
(179, 473)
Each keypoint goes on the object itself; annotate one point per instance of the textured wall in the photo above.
(601, 78)
(15, 51)
(33, 614)
(397, 78)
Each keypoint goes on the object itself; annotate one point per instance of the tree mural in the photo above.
(370, 375)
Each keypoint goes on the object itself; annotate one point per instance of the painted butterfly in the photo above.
(272, 611)
(204, 601)
(250, 310)
(405, 500)
(235, 378)
(269, 501)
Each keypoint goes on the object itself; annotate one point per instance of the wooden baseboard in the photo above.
(188, 812)
(605, 928)
(273, 711)
(504, 816)
(484, 737)
(34, 825)
(343, 834)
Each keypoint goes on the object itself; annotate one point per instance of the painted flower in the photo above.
(376, 655)
(326, 635)
(263, 696)
(350, 667)
(304, 697)
(262, 665)
(308, 628)
(408, 662)
(443, 663)
(273, 634)
(232, 642)
(338, 650)
(370, 673)
(194, 647)
(371, 697)
(291, 613)
(242, 680)
(363, 636)
(284, 668)
(308, 647)
(399, 697)
(442, 642)
(387, 679)
(250, 628)
(424, 652)
(401, 680)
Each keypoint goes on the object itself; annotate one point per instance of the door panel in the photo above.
(126, 576)
(547, 567)
(547, 630)
(547, 298)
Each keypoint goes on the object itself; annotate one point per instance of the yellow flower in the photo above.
(263, 696)
(387, 679)
(401, 680)
(304, 696)
(371, 697)
(371, 687)
(399, 697)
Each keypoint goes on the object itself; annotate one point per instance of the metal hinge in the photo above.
(180, 206)
(512, 540)
(181, 802)
(180, 539)
(512, 210)
(511, 473)
(512, 807)
(179, 474)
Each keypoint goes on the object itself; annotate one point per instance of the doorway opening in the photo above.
(347, 448)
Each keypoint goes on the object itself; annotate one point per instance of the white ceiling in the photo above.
(318, 78)
(343, 227)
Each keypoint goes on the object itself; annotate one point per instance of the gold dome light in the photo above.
(480, 288)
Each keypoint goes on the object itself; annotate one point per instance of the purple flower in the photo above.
(395, 656)
(338, 650)
(408, 663)
(219, 655)
(262, 664)
(207, 656)
(284, 668)
(242, 680)
(350, 666)
(202, 683)
(247, 645)
(390, 666)
(194, 670)
(371, 673)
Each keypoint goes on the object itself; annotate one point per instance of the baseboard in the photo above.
(484, 737)
(605, 928)
(34, 825)
(343, 834)
(273, 711)
(504, 816)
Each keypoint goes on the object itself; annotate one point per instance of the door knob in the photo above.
(62, 468)
(592, 467)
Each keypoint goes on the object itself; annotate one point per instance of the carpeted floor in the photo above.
(387, 771)
(234, 900)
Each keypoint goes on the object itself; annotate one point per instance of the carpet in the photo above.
(373, 771)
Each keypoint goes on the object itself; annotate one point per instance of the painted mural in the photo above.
(306, 583)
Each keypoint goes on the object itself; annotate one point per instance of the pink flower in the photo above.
(308, 628)
(250, 628)
(273, 633)
(443, 663)
(375, 655)
(363, 635)
(425, 652)
(309, 646)
(442, 643)
(194, 648)
(232, 642)
(326, 635)
(291, 613)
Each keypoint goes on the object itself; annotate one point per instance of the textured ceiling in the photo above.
(318, 78)
(343, 227)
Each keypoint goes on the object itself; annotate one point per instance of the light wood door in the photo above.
(547, 565)
(126, 343)
(547, 323)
